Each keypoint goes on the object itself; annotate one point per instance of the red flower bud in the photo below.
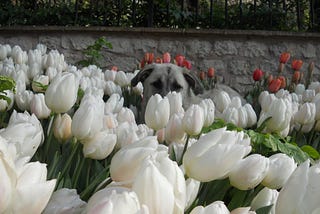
(179, 59)
(274, 85)
(166, 58)
(270, 78)
(187, 64)
(257, 74)
(296, 77)
(149, 57)
(210, 72)
(142, 63)
(158, 60)
(114, 68)
(296, 64)
(202, 75)
(283, 81)
(284, 57)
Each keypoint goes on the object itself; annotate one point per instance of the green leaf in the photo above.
(40, 85)
(3, 97)
(7, 83)
(263, 125)
(264, 210)
(310, 151)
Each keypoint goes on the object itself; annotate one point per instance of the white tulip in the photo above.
(301, 192)
(121, 79)
(308, 95)
(25, 132)
(216, 207)
(280, 169)
(111, 88)
(62, 92)
(43, 79)
(127, 161)
(51, 73)
(175, 101)
(249, 172)
(64, 201)
(110, 75)
(42, 48)
(126, 115)
(175, 176)
(88, 119)
(192, 190)
(231, 115)
(138, 89)
(62, 127)
(32, 181)
(157, 112)
(265, 99)
(126, 134)
(306, 114)
(252, 116)
(208, 111)
(222, 101)
(280, 112)
(150, 180)
(193, 120)
(235, 102)
(174, 131)
(315, 86)
(242, 210)
(114, 104)
(215, 153)
(100, 146)
(39, 107)
(4, 104)
(265, 197)
(113, 200)
(8, 176)
(300, 88)
(3, 52)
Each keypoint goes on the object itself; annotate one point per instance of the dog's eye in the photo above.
(157, 84)
(176, 86)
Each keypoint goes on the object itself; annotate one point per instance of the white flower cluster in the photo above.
(144, 178)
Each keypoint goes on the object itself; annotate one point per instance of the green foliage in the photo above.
(93, 54)
(125, 13)
(6, 83)
(268, 144)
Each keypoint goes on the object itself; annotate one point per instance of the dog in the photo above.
(163, 78)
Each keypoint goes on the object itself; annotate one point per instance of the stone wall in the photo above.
(233, 54)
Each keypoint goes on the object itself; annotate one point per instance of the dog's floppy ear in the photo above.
(193, 81)
(142, 75)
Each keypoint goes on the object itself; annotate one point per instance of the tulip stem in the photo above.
(48, 141)
(184, 150)
(74, 146)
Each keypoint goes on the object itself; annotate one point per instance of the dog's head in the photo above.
(163, 78)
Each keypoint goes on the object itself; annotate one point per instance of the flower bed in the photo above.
(69, 138)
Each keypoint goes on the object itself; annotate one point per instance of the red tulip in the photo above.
(166, 58)
(187, 64)
(159, 60)
(274, 85)
(210, 72)
(284, 57)
(257, 74)
(142, 63)
(179, 59)
(296, 64)
(149, 57)
(114, 68)
(296, 77)
(283, 81)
